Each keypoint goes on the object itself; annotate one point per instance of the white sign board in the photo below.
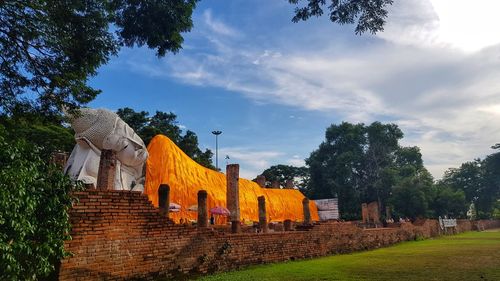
(447, 222)
(328, 215)
(328, 209)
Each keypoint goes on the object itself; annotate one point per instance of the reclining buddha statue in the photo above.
(98, 129)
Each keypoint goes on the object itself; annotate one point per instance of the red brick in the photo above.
(122, 236)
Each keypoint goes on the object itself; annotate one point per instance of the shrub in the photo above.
(34, 202)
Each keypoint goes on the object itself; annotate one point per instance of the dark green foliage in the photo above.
(360, 163)
(409, 198)
(166, 124)
(189, 144)
(489, 195)
(468, 178)
(480, 182)
(34, 200)
(496, 210)
(136, 120)
(282, 173)
(46, 132)
(336, 167)
(157, 24)
(370, 15)
(49, 49)
(379, 162)
(448, 202)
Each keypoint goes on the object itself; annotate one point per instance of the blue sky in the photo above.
(273, 86)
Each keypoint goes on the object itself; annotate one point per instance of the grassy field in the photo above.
(468, 256)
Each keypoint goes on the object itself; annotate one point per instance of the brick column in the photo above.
(232, 195)
(202, 209)
(307, 211)
(373, 212)
(164, 199)
(364, 212)
(262, 214)
(288, 225)
(289, 184)
(388, 213)
(107, 170)
(261, 180)
(275, 184)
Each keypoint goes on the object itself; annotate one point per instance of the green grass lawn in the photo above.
(467, 256)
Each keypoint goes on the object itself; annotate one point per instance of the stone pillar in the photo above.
(262, 214)
(202, 209)
(275, 184)
(107, 170)
(364, 212)
(261, 180)
(232, 196)
(373, 212)
(288, 225)
(388, 213)
(289, 184)
(307, 211)
(164, 199)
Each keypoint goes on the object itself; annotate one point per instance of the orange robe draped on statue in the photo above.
(168, 164)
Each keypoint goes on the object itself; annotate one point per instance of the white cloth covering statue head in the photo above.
(98, 129)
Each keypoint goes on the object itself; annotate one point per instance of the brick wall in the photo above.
(119, 235)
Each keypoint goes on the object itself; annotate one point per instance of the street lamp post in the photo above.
(216, 133)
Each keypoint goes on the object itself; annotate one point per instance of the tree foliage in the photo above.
(448, 202)
(363, 163)
(369, 15)
(409, 197)
(49, 49)
(46, 132)
(165, 123)
(359, 163)
(282, 173)
(479, 180)
(34, 200)
(336, 167)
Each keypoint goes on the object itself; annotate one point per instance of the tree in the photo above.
(189, 144)
(359, 163)
(480, 182)
(336, 167)
(49, 49)
(46, 132)
(448, 202)
(468, 177)
(136, 120)
(369, 14)
(34, 202)
(379, 169)
(165, 123)
(410, 196)
(489, 194)
(282, 173)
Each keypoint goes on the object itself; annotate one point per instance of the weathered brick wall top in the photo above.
(119, 235)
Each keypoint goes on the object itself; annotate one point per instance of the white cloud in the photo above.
(296, 161)
(421, 73)
(252, 162)
(217, 25)
(461, 24)
(468, 25)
